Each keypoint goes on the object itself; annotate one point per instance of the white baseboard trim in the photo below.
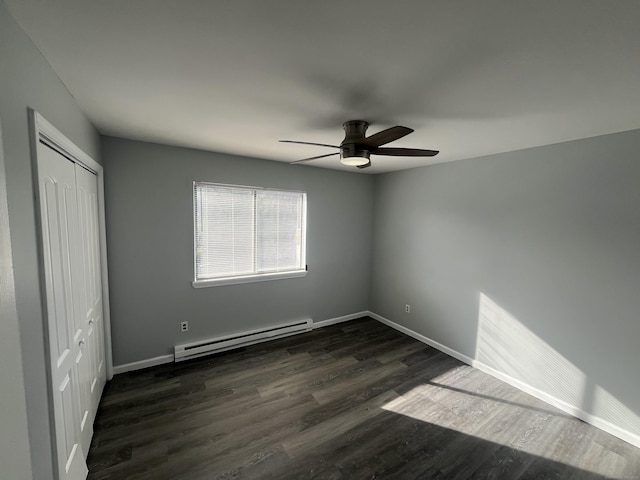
(149, 362)
(152, 362)
(344, 318)
(572, 410)
(422, 338)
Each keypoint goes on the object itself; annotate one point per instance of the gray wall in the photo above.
(14, 441)
(27, 80)
(528, 262)
(150, 246)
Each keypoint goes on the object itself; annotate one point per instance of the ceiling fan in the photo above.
(355, 149)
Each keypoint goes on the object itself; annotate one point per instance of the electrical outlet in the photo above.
(407, 308)
(184, 326)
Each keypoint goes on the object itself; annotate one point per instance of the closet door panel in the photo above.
(87, 192)
(58, 214)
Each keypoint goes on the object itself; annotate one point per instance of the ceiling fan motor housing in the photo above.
(352, 150)
(354, 132)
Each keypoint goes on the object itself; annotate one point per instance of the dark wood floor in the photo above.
(356, 400)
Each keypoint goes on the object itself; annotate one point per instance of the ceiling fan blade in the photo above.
(404, 152)
(314, 158)
(386, 136)
(365, 165)
(310, 143)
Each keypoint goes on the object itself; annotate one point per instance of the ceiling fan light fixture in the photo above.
(354, 158)
(356, 148)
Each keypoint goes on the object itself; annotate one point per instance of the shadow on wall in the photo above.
(505, 345)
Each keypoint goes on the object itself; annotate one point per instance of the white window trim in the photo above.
(261, 277)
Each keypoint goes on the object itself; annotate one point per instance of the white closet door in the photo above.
(58, 210)
(91, 301)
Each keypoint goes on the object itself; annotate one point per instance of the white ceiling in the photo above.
(471, 77)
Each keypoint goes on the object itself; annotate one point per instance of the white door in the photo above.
(91, 279)
(58, 210)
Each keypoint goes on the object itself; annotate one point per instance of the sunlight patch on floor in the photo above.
(506, 345)
(536, 433)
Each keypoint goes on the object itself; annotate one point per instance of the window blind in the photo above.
(245, 231)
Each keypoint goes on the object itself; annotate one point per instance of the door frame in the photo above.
(41, 131)
(45, 132)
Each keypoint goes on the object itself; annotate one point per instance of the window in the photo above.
(247, 234)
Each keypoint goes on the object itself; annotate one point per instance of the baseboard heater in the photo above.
(228, 342)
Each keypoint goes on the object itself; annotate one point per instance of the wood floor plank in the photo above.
(132, 395)
(280, 373)
(286, 363)
(350, 401)
(290, 382)
(325, 431)
(357, 382)
(405, 349)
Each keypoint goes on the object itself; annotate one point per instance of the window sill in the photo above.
(248, 279)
